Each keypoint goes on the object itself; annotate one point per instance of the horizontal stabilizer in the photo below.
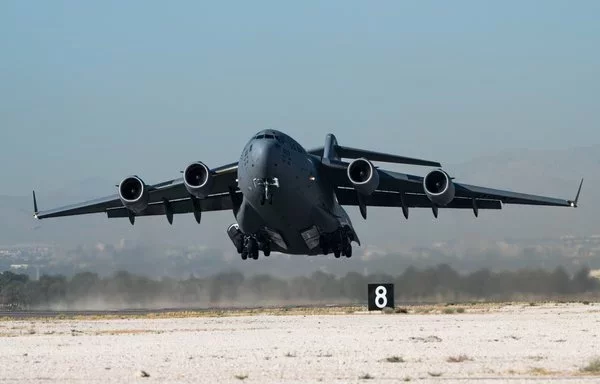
(355, 153)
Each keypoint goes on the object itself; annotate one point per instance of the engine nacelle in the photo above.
(198, 179)
(439, 187)
(134, 193)
(363, 176)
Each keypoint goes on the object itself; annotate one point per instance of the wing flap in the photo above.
(218, 202)
(509, 197)
(392, 199)
(92, 206)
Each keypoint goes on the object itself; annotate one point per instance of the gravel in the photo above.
(519, 342)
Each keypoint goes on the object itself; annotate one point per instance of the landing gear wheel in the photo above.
(267, 252)
(347, 247)
(244, 255)
(252, 248)
(348, 251)
(336, 253)
(323, 245)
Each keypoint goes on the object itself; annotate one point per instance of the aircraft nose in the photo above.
(264, 156)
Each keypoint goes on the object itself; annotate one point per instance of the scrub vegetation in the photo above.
(88, 290)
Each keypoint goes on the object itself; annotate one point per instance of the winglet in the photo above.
(35, 206)
(574, 202)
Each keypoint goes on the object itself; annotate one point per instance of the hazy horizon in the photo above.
(109, 89)
(502, 94)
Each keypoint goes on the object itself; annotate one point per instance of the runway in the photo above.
(483, 343)
(159, 312)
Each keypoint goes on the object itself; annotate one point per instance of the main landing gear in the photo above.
(338, 242)
(252, 246)
(248, 246)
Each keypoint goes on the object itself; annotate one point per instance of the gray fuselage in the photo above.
(297, 200)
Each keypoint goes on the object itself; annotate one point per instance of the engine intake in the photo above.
(363, 176)
(133, 193)
(439, 187)
(198, 179)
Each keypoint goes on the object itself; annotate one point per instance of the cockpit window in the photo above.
(266, 136)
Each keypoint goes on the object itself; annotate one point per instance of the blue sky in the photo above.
(106, 89)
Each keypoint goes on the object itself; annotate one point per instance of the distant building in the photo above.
(26, 268)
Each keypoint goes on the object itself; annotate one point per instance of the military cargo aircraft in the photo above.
(289, 200)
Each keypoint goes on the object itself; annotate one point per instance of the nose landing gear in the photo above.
(267, 196)
(266, 184)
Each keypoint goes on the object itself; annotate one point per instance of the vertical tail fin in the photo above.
(329, 150)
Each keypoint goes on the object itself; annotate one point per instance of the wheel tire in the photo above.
(323, 245)
(348, 251)
(252, 248)
(267, 252)
(244, 255)
(336, 253)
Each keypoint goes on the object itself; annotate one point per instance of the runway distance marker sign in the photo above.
(380, 295)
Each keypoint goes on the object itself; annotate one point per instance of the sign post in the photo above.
(380, 296)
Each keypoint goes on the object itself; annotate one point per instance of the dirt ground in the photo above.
(495, 343)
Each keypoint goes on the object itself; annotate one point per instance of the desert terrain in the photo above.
(512, 342)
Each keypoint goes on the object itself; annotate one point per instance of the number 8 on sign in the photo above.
(381, 295)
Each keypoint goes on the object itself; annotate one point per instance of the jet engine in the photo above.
(198, 179)
(363, 176)
(439, 187)
(133, 193)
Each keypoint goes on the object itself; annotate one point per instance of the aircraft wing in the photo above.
(166, 198)
(348, 196)
(399, 189)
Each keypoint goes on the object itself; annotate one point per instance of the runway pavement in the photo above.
(132, 312)
(494, 343)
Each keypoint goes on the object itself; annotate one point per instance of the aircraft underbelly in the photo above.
(296, 216)
(291, 216)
